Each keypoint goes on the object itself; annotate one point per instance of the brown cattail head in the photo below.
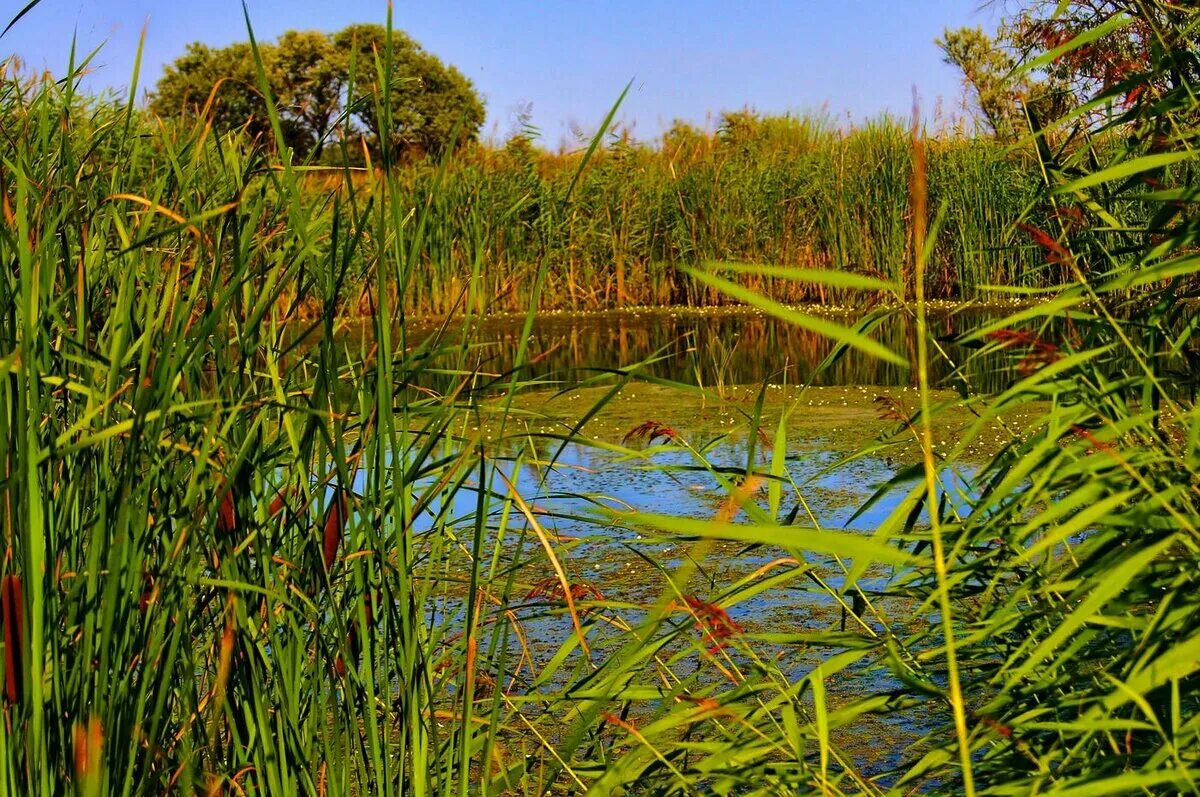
(371, 601)
(277, 505)
(335, 525)
(89, 750)
(149, 592)
(227, 514)
(12, 606)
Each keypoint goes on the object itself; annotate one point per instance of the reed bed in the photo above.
(794, 191)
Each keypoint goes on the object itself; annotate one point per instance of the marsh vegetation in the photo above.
(288, 509)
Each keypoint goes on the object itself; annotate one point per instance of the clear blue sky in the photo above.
(569, 58)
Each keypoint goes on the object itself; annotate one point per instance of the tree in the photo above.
(308, 73)
(1117, 58)
(226, 76)
(428, 100)
(985, 66)
(307, 76)
(988, 66)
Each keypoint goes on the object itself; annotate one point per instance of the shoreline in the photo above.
(935, 306)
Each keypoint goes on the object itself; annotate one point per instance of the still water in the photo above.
(724, 347)
(713, 350)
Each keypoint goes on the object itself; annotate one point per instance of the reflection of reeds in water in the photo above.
(721, 351)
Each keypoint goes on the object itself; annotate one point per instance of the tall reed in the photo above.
(794, 191)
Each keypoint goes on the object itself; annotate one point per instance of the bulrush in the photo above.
(227, 513)
(149, 592)
(89, 756)
(354, 636)
(335, 525)
(279, 503)
(12, 603)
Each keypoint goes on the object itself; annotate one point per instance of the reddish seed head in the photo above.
(1003, 730)
(335, 524)
(1132, 97)
(1055, 252)
(227, 515)
(1040, 352)
(713, 622)
(12, 606)
(889, 409)
(650, 431)
(552, 590)
(1071, 216)
(1086, 434)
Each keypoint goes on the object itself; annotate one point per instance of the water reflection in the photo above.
(724, 349)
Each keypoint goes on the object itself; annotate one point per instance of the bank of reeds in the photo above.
(793, 191)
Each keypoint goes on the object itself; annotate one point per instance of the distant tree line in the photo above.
(328, 88)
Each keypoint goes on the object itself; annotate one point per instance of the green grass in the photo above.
(234, 564)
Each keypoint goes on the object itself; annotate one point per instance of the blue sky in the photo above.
(570, 59)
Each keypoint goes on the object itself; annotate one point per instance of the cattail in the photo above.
(12, 604)
(89, 749)
(370, 602)
(227, 515)
(335, 524)
(277, 505)
(148, 592)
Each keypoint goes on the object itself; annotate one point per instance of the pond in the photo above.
(751, 368)
(629, 570)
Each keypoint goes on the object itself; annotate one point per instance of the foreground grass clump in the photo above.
(238, 564)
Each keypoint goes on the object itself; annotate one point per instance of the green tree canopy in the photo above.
(988, 65)
(218, 82)
(310, 75)
(429, 100)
